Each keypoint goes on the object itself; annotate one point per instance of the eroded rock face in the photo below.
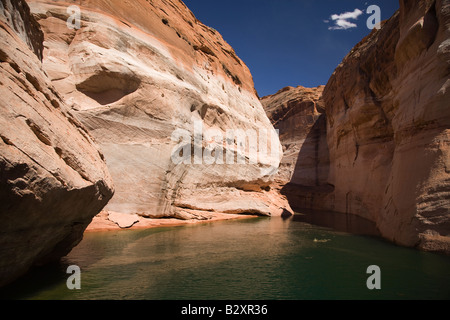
(388, 116)
(136, 73)
(387, 127)
(53, 179)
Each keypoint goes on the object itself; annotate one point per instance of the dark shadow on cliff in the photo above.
(309, 193)
(309, 188)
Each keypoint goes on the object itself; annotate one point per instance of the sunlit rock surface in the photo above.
(136, 73)
(53, 179)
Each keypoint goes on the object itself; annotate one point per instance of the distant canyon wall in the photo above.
(299, 115)
(135, 73)
(388, 131)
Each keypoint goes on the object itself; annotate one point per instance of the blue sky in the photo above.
(290, 42)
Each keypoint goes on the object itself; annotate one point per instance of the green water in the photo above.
(254, 259)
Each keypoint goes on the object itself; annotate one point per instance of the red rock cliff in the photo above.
(53, 180)
(388, 117)
(388, 130)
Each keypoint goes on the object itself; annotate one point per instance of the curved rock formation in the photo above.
(53, 180)
(141, 75)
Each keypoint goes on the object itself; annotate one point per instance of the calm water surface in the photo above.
(261, 259)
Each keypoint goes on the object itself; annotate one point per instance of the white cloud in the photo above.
(343, 25)
(347, 15)
(341, 22)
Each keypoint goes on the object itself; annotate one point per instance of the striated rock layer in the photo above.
(388, 129)
(53, 180)
(141, 75)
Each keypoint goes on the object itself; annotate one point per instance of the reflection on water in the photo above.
(264, 258)
(349, 223)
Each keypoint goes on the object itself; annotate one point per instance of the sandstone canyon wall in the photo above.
(299, 115)
(388, 118)
(387, 109)
(53, 180)
(135, 73)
